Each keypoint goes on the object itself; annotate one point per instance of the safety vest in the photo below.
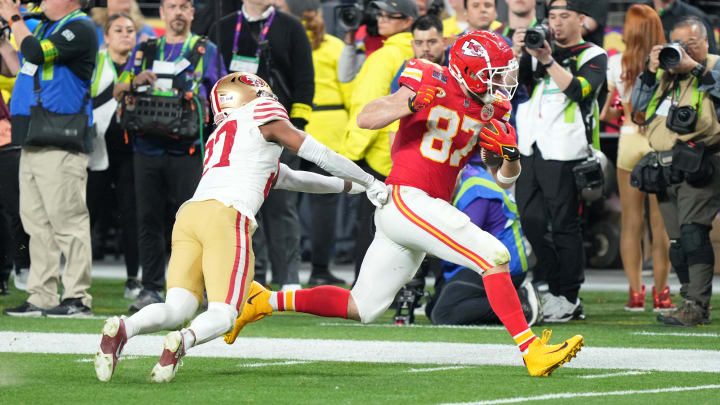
(482, 185)
(104, 107)
(61, 90)
(707, 128)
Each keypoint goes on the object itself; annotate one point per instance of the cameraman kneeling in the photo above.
(681, 100)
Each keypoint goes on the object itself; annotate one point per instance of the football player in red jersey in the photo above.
(445, 113)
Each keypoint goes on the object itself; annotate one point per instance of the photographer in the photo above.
(555, 128)
(51, 116)
(165, 77)
(679, 92)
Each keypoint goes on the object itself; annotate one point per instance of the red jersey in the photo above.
(432, 145)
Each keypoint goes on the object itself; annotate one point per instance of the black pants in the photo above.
(279, 231)
(365, 222)
(462, 300)
(13, 239)
(546, 193)
(323, 213)
(160, 182)
(117, 181)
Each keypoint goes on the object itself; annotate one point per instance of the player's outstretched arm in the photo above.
(308, 182)
(383, 111)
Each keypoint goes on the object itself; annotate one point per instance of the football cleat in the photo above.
(111, 345)
(542, 359)
(167, 365)
(256, 307)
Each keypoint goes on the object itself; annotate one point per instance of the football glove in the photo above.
(377, 193)
(502, 109)
(500, 138)
(422, 98)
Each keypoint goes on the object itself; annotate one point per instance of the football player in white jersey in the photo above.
(212, 236)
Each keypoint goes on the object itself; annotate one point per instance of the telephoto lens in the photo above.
(671, 55)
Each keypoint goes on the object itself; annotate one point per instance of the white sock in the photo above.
(189, 338)
(179, 306)
(218, 319)
(273, 300)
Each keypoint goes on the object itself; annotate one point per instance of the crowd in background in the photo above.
(131, 179)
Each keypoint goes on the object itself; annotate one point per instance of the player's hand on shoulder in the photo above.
(500, 137)
(377, 193)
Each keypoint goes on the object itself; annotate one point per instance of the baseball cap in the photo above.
(572, 5)
(298, 7)
(407, 8)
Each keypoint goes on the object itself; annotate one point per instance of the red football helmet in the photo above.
(483, 63)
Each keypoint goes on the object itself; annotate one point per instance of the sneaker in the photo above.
(530, 304)
(325, 279)
(132, 289)
(542, 359)
(112, 343)
(636, 301)
(69, 308)
(256, 307)
(662, 301)
(27, 310)
(145, 298)
(167, 365)
(21, 278)
(689, 313)
(558, 308)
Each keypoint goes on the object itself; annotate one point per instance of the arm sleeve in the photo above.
(643, 91)
(307, 182)
(302, 74)
(590, 77)
(349, 64)
(71, 42)
(332, 162)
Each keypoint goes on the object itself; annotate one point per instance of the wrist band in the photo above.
(507, 180)
(547, 65)
(410, 103)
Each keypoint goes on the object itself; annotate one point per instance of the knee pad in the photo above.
(696, 244)
(182, 304)
(224, 310)
(677, 255)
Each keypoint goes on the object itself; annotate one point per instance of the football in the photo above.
(491, 159)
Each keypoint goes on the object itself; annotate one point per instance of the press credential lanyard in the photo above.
(247, 63)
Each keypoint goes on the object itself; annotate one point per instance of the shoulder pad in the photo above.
(420, 71)
(267, 109)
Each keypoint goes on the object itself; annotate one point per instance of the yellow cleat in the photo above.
(542, 359)
(256, 307)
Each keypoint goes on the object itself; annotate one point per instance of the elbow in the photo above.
(364, 121)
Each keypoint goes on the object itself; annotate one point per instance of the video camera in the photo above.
(351, 14)
(536, 36)
(671, 54)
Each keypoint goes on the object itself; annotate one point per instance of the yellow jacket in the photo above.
(373, 81)
(329, 117)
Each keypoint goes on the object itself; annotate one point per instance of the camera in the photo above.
(671, 55)
(681, 119)
(351, 14)
(535, 36)
(590, 175)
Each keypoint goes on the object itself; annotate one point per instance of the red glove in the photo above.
(422, 98)
(500, 138)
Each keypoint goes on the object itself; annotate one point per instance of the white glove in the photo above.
(356, 188)
(377, 193)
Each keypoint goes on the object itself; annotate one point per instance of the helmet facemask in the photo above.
(502, 81)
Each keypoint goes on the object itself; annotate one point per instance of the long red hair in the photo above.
(643, 30)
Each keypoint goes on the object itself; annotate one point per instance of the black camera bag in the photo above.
(693, 160)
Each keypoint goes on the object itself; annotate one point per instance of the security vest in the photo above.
(482, 185)
(707, 129)
(61, 90)
(557, 124)
(104, 106)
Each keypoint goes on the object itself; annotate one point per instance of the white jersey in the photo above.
(240, 164)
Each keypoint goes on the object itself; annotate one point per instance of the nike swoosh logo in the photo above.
(249, 301)
(560, 348)
(510, 149)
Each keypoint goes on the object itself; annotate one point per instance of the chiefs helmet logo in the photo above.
(474, 48)
(252, 81)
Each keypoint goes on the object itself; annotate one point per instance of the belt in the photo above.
(328, 107)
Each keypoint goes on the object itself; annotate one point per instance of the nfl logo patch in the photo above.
(439, 76)
(487, 112)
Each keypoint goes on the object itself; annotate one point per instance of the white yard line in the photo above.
(608, 375)
(275, 363)
(439, 353)
(428, 370)
(676, 334)
(587, 394)
(389, 325)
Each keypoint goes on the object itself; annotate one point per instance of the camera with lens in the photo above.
(671, 55)
(681, 119)
(351, 14)
(536, 36)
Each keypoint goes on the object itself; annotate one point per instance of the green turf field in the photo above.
(306, 368)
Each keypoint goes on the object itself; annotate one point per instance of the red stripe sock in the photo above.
(506, 305)
(325, 300)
